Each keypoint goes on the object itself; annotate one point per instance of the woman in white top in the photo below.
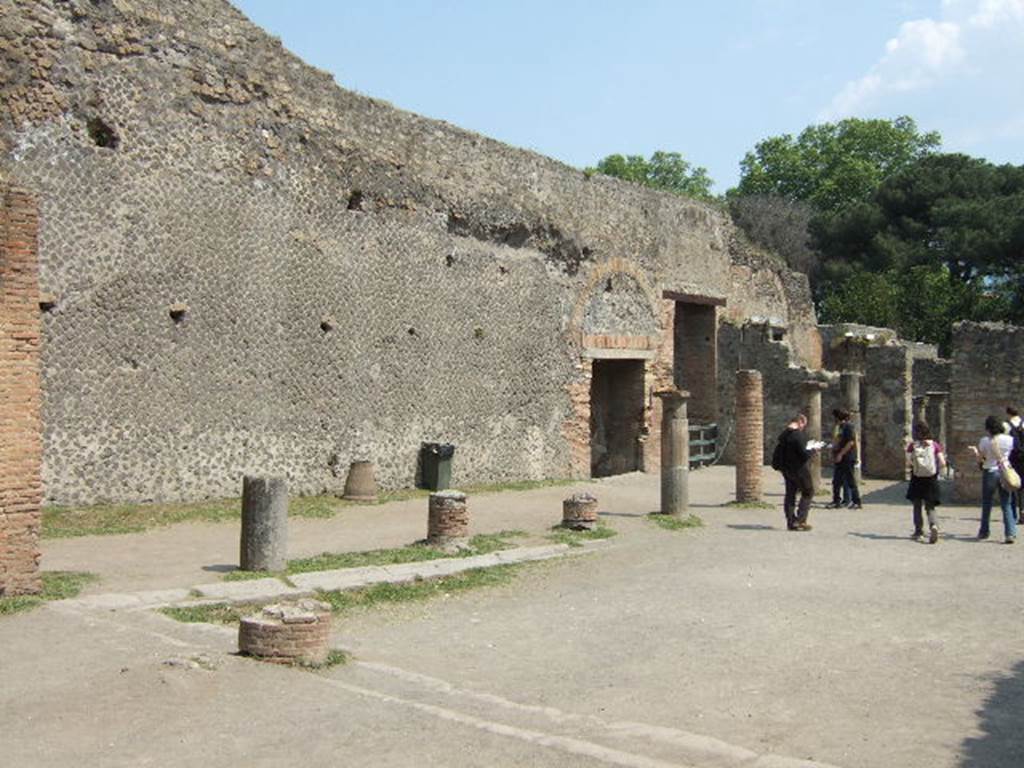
(993, 449)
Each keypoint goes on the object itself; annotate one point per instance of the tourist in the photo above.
(991, 450)
(844, 458)
(794, 459)
(1015, 429)
(927, 458)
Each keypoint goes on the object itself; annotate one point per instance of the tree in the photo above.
(664, 170)
(833, 165)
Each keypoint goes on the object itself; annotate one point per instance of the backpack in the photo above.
(1017, 453)
(778, 455)
(922, 459)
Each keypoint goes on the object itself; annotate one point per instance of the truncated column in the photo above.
(264, 524)
(448, 518)
(21, 489)
(675, 452)
(749, 435)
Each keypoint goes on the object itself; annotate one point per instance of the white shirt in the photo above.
(990, 454)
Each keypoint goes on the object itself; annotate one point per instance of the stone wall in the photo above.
(20, 447)
(886, 410)
(255, 271)
(985, 379)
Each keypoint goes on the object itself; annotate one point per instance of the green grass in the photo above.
(109, 519)
(57, 585)
(573, 538)
(480, 544)
(213, 613)
(384, 594)
(673, 523)
(749, 505)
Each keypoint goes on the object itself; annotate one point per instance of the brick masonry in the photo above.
(20, 429)
(447, 517)
(288, 634)
(986, 377)
(749, 435)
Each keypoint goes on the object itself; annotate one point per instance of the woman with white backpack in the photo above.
(993, 455)
(927, 459)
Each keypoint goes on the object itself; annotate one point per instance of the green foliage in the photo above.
(833, 165)
(663, 170)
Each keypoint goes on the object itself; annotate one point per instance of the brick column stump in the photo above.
(812, 393)
(579, 512)
(448, 518)
(749, 436)
(264, 524)
(675, 452)
(295, 633)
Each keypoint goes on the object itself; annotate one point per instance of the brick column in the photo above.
(849, 384)
(749, 435)
(812, 394)
(675, 452)
(21, 489)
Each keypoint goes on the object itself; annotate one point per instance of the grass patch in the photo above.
(673, 523)
(213, 613)
(573, 538)
(57, 585)
(109, 519)
(481, 544)
(384, 594)
(748, 505)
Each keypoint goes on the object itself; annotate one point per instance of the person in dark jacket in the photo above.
(797, 474)
(844, 460)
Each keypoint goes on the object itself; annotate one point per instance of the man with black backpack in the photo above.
(1015, 429)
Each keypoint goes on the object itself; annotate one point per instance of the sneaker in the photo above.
(982, 536)
(917, 534)
(803, 527)
(834, 505)
(933, 535)
(1009, 540)
(857, 505)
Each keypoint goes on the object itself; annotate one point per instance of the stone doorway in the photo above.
(616, 417)
(695, 364)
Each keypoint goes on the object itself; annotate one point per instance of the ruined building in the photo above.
(242, 266)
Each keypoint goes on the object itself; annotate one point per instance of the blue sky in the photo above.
(579, 80)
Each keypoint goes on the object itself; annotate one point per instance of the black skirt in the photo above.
(924, 488)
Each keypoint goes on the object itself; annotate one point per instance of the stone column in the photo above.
(938, 405)
(749, 435)
(920, 408)
(812, 393)
(849, 385)
(264, 524)
(675, 451)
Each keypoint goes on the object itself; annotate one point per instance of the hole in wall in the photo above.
(412, 332)
(327, 324)
(449, 260)
(608, 286)
(355, 200)
(102, 134)
(177, 313)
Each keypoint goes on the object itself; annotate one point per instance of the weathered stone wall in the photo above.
(931, 375)
(750, 347)
(985, 379)
(886, 410)
(20, 446)
(253, 270)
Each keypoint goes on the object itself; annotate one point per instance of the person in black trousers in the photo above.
(797, 474)
(844, 457)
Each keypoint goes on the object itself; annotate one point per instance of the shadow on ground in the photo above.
(1001, 743)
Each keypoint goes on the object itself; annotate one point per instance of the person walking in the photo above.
(1014, 427)
(794, 457)
(844, 458)
(993, 449)
(927, 458)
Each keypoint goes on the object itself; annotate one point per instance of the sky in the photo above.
(578, 80)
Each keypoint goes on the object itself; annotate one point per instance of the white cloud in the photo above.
(992, 12)
(922, 52)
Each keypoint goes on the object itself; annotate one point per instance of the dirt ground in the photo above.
(736, 644)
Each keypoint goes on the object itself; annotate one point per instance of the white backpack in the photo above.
(923, 459)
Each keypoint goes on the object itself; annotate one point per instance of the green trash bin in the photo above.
(437, 465)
